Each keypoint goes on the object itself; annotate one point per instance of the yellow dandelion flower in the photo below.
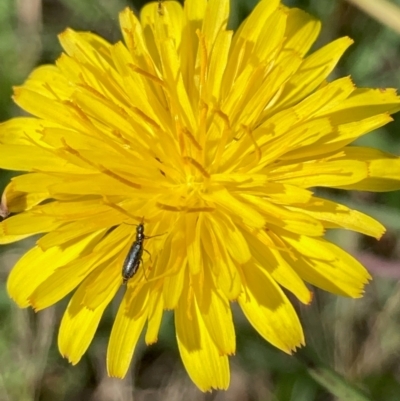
(209, 142)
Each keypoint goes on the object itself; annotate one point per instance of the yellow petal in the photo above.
(335, 215)
(302, 30)
(63, 280)
(79, 325)
(233, 206)
(215, 20)
(330, 174)
(217, 317)
(194, 228)
(283, 217)
(173, 256)
(219, 262)
(36, 266)
(200, 356)
(271, 261)
(364, 103)
(155, 315)
(231, 236)
(19, 131)
(268, 309)
(87, 47)
(383, 169)
(124, 336)
(32, 158)
(313, 71)
(24, 225)
(327, 266)
(18, 201)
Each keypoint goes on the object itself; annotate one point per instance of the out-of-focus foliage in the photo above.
(359, 339)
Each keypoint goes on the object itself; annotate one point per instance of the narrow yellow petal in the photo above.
(93, 184)
(330, 174)
(313, 71)
(271, 261)
(215, 20)
(44, 107)
(284, 217)
(194, 228)
(234, 207)
(219, 262)
(174, 256)
(194, 12)
(48, 81)
(217, 317)
(19, 131)
(79, 325)
(364, 103)
(24, 225)
(156, 309)
(124, 336)
(36, 266)
(33, 158)
(335, 215)
(346, 133)
(254, 23)
(200, 356)
(34, 182)
(327, 266)
(383, 169)
(230, 235)
(218, 61)
(269, 311)
(87, 47)
(18, 201)
(63, 280)
(302, 30)
(104, 282)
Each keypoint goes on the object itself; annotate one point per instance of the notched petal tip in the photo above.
(16, 92)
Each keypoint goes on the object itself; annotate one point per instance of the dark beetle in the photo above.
(134, 257)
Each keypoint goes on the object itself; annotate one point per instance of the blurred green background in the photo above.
(359, 339)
